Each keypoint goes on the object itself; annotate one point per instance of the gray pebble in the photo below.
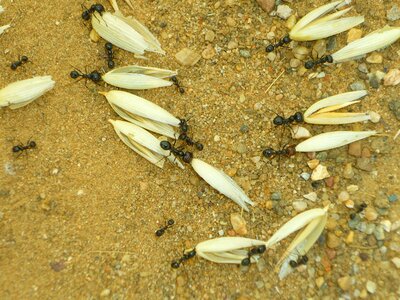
(321, 156)
(370, 228)
(331, 44)
(241, 148)
(244, 129)
(394, 107)
(363, 68)
(379, 233)
(364, 164)
(393, 14)
(374, 81)
(362, 227)
(276, 196)
(357, 86)
(244, 53)
(261, 265)
(305, 175)
(354, 223)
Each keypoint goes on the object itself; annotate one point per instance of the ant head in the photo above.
(199, 146)
(174, 79)
(181, 90)
(261, 249)
(303, 260)
(293, 264)
(170, 222)
(183, 125)
(191, 253)
(32, 144)
(165, 145)
(74, 74)
(270, 48)
(291, 150)
(97, 7)
(298, 117)
(269, 152)
(278, 120)
(108, 46)
(160, 232)
(309, 65)
(175, 264)
(86, 15)
(329, 58)
(24, 58)
(16, 149)
(14, 65)
(187, 157)
(286, 39)
(245, 261)
(95, 76)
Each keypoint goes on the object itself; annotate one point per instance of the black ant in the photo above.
(253, 251)
(186, 256)
(296, 118)
(88, 12)
(324, 59)
(20, 148)
(22, 60)
(94, 76)
(362, 207)
(177, 84)
(186, 156)
(184, 137)
(161, 231)
(301, 260)
(110, 55)
(183, 125)
(285, 40)
(285, 151)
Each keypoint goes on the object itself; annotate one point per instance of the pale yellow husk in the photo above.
(23, 92)
(315, 25)
(138, 77)
(331, 140)
(374, 41)
(143, 143)
(321, 111)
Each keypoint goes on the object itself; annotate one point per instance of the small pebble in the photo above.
(352, 188)
(357, 86)
(238, 224)
(244, 53)
(394, 107)
(322, 156)
(276, 196)
(333, 241)
(267, 5)
(393, 198)
(221, 232)
(374, 81)
(294, 63)
(271, 56)
(364, 164)
(392, 77)
(350, 238)
(371, 214)
(319, 281)
(233, 45)
(231, 21)
(209, 36)
(299, 205)
(375, 58)
(319, 173)
(393, 14)
(305, 175)
(187, 57)
(371, 287)
(387, 225)
(301, 52)
(244, 129)
(345, 283)
(363, 68)
(343, 196)
(241, 148)
(396, 261)
(379, 233)
(291, 22)
(348, 172)
(283, 11)
(105, 293)
(217, 138)
(354, 34)
(312, 164)
(311, 196)
(349, 203)
(208, 52)
(355, 149)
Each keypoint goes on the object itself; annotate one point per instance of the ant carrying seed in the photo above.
(284, 41)
(110, 55)
(285, 151)
(301, 260)
(88, 12)
(22, 60)
(186, 156)
(94, 76)
(20, 148)
(186, 256)
(161, 231)
(177, 84)
(324, 59)
(253, 251)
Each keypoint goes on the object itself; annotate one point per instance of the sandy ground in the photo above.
(78, 213)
